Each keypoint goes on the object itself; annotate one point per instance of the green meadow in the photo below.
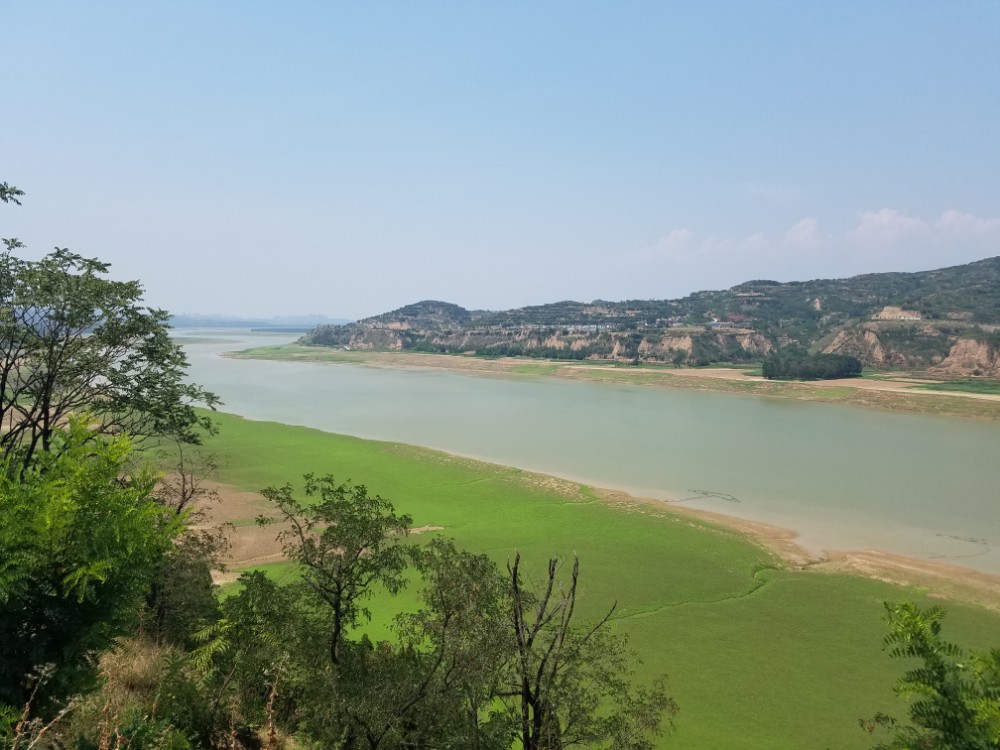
(968, 385)
(757, 654)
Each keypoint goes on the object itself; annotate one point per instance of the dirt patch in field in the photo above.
(237, 511)
(425, 529)
(943, 581)
(249, 543)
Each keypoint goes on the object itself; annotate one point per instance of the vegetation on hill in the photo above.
(888, 319)
(797, 366)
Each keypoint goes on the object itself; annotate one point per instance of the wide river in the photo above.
(844, 478)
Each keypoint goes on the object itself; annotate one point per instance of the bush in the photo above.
(810, 366)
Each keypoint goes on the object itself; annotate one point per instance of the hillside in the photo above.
(946, 319)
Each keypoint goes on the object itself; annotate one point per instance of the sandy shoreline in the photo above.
(941, 579)
(252, 545)
(895, 394)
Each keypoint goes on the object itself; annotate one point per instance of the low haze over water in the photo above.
(844, 478)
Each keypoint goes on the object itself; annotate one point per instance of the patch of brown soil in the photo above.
(232, 505)
(237, 511)
(944, 581)
(249, 544)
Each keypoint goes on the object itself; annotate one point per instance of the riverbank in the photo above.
(707, 600)
(253, 546)
(940, 580)
(903, 393)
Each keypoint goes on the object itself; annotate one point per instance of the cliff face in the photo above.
(865, 345)
(911, 320)
(916, 346)
(698, 346)
(970, 357)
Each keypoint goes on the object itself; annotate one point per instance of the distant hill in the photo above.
(947, 319)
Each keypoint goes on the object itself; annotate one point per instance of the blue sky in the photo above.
(349, 158)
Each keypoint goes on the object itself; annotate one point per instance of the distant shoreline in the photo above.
(895, 393)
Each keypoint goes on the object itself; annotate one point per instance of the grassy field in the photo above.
(757, 655)
(967, 385)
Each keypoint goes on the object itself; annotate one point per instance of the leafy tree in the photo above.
(73, 341)
(465, 626)
(10, 194)
(83, 534)
(799, 366)
(570, 685)
(955, 694)
(268, 639)
(79, 546)
(431, 687)
(183, 598)
(347, 543)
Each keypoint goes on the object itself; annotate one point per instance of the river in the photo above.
(843, 478)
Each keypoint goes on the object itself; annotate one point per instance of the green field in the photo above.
(757, 655)
(967, 385)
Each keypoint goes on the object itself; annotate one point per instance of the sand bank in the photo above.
(252, 545)
(900, 393)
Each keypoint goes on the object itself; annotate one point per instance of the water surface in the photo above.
(842, 477)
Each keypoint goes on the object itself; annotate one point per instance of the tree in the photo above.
(73, 341)
(484, 663)
(570, 685)
(268, 636)
(955, 694)
(10, 194)
(801, 366)
(79, 546)
(462, 641)
(183, 598)
(347, 542)
(432, 685)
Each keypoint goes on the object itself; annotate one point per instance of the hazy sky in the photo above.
(349, 158)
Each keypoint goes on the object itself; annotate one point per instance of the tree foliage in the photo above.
(183, 598)
(79, 545)
(797, 366)
(485, 662)
(954, 694)
(346, 541)
(73, 340)
(10, 194)
(570, 685)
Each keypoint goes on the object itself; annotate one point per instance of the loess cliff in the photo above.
(946, 320)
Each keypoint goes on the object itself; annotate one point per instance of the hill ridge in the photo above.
(923, 319)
